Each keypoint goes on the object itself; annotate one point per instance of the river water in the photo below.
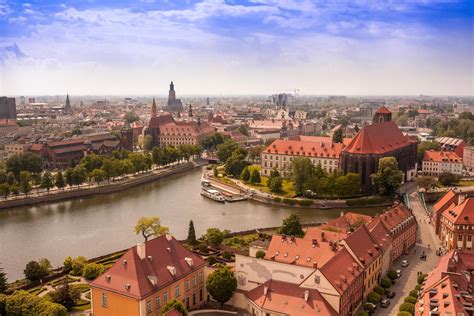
(102, 224)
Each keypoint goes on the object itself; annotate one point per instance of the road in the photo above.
(408, 281)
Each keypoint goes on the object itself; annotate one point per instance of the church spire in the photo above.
(68, 102)
(190, 110)
(153, 108)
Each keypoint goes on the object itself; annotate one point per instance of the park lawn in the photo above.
(81, 287)
(81, 305)
(240, 242)
(466, 183)
(37, 290)
(287, 189)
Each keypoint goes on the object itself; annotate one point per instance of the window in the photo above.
(148, 306)
(104, 300)
(158, 302)
(176, 291)
(193, 282)
(201, 298)
(187, 302)
(186, 285)
(194, 298)
(165, 297)
(201, 277)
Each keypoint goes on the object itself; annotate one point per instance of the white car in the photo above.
(404, 263)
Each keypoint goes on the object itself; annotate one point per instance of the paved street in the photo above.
(426, 236)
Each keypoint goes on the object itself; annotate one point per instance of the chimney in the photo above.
(265, 290)
(306, 295)
(342, 213)
(141, 250)
(461, 198)
(315, 265)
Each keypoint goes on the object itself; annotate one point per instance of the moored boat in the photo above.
(213, 195)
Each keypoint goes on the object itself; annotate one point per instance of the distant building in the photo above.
(468, 157)
(381, 139)
(7, 108)
(452, 144)
(15, 149)
(173, 104)
(68, 103)
(436, 162)
(456, 227)
(147, 276)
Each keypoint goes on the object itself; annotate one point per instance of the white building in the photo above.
(436, 162)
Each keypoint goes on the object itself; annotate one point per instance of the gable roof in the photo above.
(383, 110)
(349, 220)
(363, 245)
(462, 213)
(394, 216)
(138, 277)
(378, 138)
(380, 233)
(442, 156)
(305, 148)
(289, 299)
(445, 201)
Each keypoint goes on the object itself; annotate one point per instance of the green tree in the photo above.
(244, 129)
(150, 226)
(225, 150)
(24, 162)
(214, 236)
(302, 173)
(4, 190)
(426, 182)
(275, 184)
(348, 185)
(25, 182)
(47, 181)
(260, 254)
(3, 281)
(77, 265)
(34, 271)
(255, 176)
(59, 180)
(174, 304)
(65, 295)
(215, 171)
(98, 175)
(131, 117)
(407, 307)
(24, 303)
(191, 234)
(15, 188)
(388, 177)
(292, 226)
(426, 146)
(69, 175)
(91, 162)
(221, 284)
(147, 143)
(92, 270)
(245, 175)
(45, 264)
(373, 298)
(212, 141)
(337, 136)
(79, 175)
(447, 178)
(108, 168)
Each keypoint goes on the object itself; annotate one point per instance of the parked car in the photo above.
(384, 303)
(371, 308)
(390, 294)
(399, 273)
(405, 263)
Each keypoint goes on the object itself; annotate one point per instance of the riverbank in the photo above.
(258, 196)
(104, 188)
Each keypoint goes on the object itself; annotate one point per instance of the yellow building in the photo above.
(146, 277)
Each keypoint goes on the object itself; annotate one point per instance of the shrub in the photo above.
(385, 283)
(373, 298)
(404, 314)
(23, 303)
(260, 254)
(277, 199)
(77, 265)
(362, 314)
(369, 307)
(211, 260)
(410, 300)
(392, 274)
(203, 248)
(289, 201)
(227, 255)
(414, 293)
(91, 271)
(379, 290)
(421, 278)
(407, 307)
(418, 287)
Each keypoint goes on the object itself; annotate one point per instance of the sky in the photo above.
(220, 47)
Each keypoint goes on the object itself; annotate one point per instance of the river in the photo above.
(102, 224)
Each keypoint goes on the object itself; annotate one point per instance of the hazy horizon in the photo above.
(237, 47)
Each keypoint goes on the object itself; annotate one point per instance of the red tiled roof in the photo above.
(329, 235)
(36, 147)
(348, 220)
(462, 213)
(445, 201)
(301, 252)
(363, 245)
(441, 156)
(162, 118)
(289, 299)
(185, 129)
(302, 148)
(383, 110)
(394, 216)
(319, 139)
(341, 270)
(132, 276)
(66, 142)
(68, 149)
(378, 138)
(380, 233)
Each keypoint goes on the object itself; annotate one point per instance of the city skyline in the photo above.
(254, 47)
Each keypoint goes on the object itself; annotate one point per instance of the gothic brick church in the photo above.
(381, 139)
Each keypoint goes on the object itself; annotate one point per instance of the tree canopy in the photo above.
(291, 226)
(221, 284)
(150, 226)
(388, 177)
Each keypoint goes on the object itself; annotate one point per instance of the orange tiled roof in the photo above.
(383, 110)
(321, 139)
(363, 245)
(378, 138)
(348, 220)
(442, 156)
(289, 299)
(164, 263)
(324, 234)
(380, 233)
(302, 252)
(445, 201)
(462, 213)
(302, 148)
(394, 216)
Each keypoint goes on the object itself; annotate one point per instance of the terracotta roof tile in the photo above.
(442, 156)
(303, 148)
(462, 213)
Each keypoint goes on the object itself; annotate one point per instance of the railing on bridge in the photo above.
(406, 200)
(421, 196)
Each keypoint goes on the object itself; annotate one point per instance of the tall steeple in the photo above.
(68, 102)
(153, 108)
(171, 94)
(190, 114)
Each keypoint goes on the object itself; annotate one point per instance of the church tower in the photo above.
(68, 102)
(153, 108)
(190, 113)
(382, 115)
(171, 94)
